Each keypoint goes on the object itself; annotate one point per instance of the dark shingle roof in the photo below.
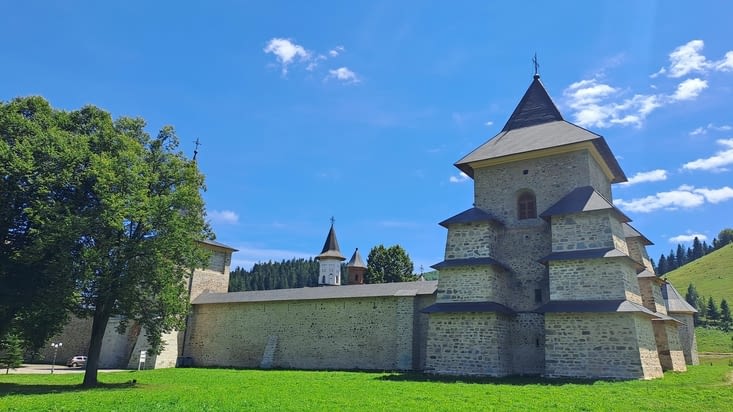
(336, 292)
(582, 199)
(473, 214)
(536, 107)
(593, 306)
(454, 307)
(356, 261)
(331, 247)
(217, 244)
(629, 231)
(536, 124)
(674, 301)
(590, 254)
(482, 261)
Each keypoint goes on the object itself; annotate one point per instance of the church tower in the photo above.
(539, 273)
(356, 269)
(329, 261)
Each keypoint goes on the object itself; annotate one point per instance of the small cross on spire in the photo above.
(333, 220)
(196, 148)
(536, 67)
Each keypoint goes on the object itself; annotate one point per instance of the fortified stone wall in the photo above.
(638, 252)
(528, 344)
(593, 279)
(550, 177)
(668, 346)
(354, 333)
(522, 247)
(578, 231)
(600, 345)
(473, 284)
(477, 344)
(471, 240)
(688, 340)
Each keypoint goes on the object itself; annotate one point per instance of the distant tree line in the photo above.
(709, 314)
(384, 265)
(682, 256)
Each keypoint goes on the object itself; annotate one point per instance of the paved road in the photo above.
(46, 368)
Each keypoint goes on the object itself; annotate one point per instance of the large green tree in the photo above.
(385, 265)
(125, 238)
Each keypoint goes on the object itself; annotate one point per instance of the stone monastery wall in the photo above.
(356, 333)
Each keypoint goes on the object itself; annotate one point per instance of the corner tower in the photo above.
(329, 261)
(538, 274)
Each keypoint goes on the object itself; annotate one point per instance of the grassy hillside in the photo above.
(712, 275)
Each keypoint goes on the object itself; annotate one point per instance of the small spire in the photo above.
(536, 66)
(196, 148)
(333, 220)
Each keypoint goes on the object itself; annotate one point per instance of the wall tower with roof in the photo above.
(539, 276)
(356, 269)
(329, 261)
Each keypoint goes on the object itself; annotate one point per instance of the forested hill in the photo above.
(712, 274)
(294, 273)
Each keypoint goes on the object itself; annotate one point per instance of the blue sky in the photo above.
(358, 110)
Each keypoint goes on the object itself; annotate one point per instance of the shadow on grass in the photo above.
(7, 389)
(510, 380)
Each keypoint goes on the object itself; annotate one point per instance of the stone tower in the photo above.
(214, 278)
(538, 277)
(329, 261)
(356, 269)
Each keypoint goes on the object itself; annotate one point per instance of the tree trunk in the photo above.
(99, 325)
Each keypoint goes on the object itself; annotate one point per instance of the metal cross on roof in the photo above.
(333, 220)
(196, 148)
(536, 66)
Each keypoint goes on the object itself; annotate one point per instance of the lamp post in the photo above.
(55, 347)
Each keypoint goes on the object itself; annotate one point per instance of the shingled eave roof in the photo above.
(218, 244)
(536, 124)
(356, 261)
(582, 199)
(630, 232)
(331, 247)
(463, 307)
(598, 253)
(674, 301)
(341, 292)
(471, 215)
(594, 306)
(479, 261)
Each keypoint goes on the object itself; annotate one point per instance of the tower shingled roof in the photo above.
(536, 107)
(356, 260)
(536, 124)
(331, 247)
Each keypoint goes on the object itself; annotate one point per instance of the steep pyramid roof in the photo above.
(536, 124)
(355, 261)
(582, 199)
(536, 107)
(331, 247)
(674, 301)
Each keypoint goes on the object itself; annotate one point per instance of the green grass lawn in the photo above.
(714, 340)
(705, 387)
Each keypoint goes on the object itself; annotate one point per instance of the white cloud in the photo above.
(286, 52)
(658, 73)
(462, 177)
(688, 238)
(689, 89)
(226, 217)
(489, 123)
(704, 129)
(688, 59)
(595, 106)
(650, 176)
(336, 51)
(717, 162)
(685, 196)
(343, 74)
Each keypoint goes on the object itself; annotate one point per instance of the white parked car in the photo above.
(77, 361)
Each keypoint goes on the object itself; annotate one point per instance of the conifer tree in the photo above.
(11, 352)
(725, 318)
(712, 310)
(692, 297)
(697, 249)
(662, 267)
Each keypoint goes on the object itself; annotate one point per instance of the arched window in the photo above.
(526, 205)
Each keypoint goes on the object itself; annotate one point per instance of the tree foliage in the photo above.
(11, 352)
(386, 265)
(113, 224)
(692, 297)
(293, 273)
